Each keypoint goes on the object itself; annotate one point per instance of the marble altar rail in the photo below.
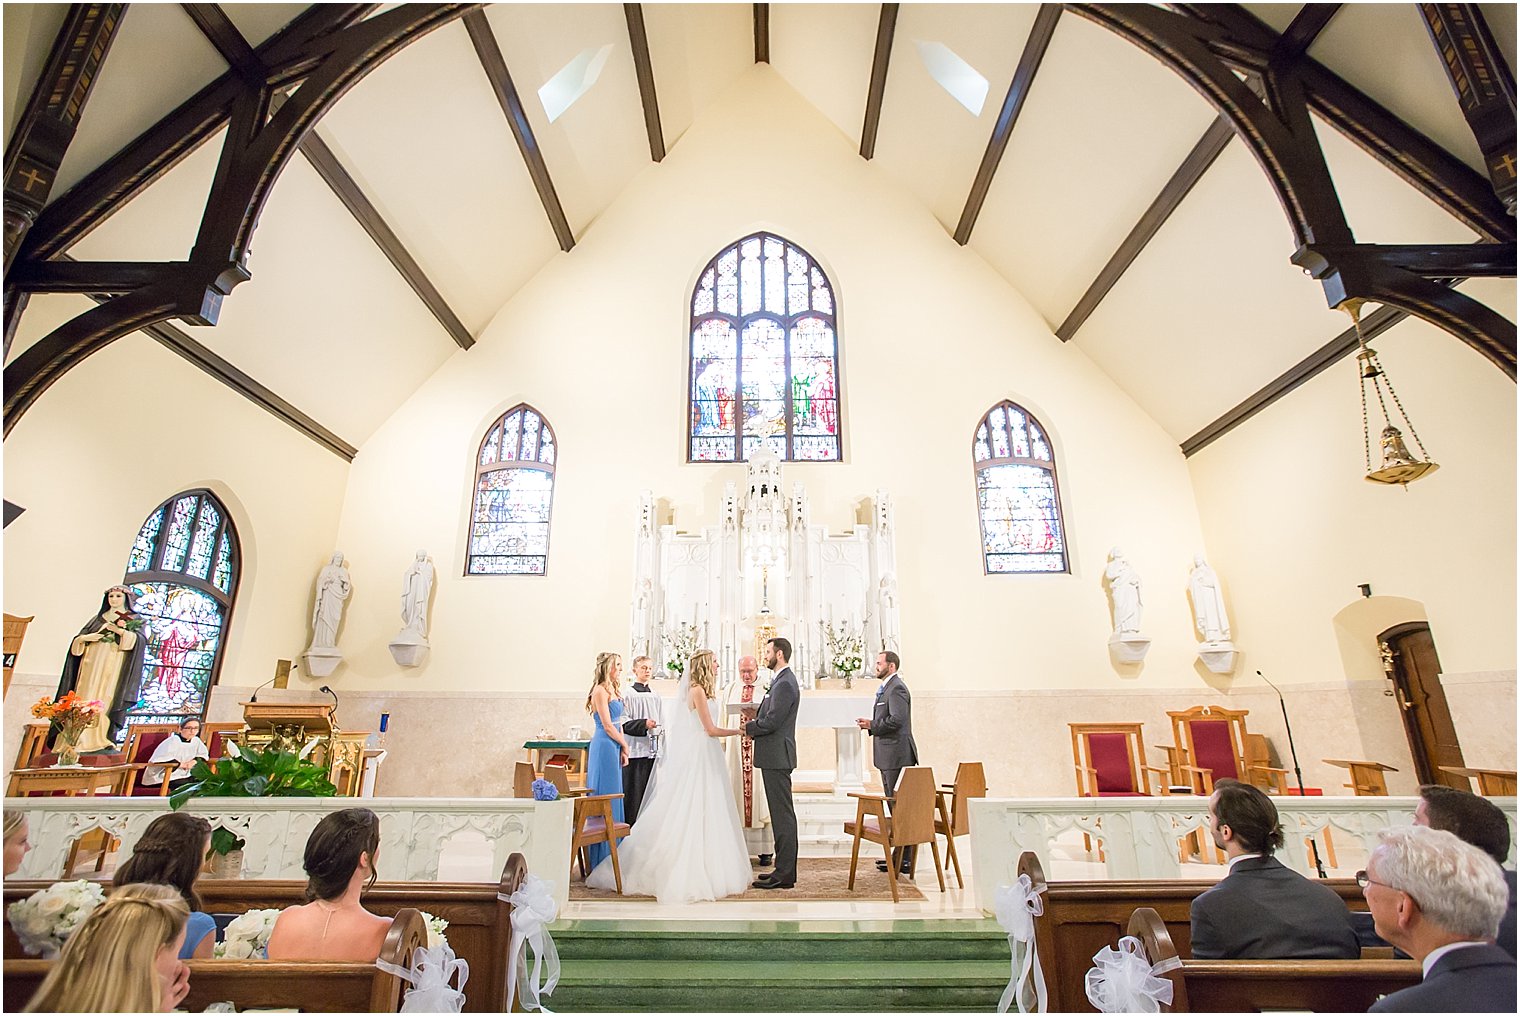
(1139, 835)
(414, 831)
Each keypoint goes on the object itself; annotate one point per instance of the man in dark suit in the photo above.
(774, 729)
(1440, 900)
(1479, 821)
(891, 730)
(1263, 909)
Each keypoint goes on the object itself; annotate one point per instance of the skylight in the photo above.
(954, 75)
(575, 80)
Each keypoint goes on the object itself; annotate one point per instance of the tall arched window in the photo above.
(514, 491)
(1016, 494)
(184, 570)
(764, 355)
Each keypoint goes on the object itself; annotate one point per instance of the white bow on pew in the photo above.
(1016, 907)
(533, 909)
(1124, 980)
(431, 972)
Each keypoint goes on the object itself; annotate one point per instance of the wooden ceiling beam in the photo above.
(1484, 85)
(369, 218)
(762, 33)
(495, 66)
(229, 42)
(886, 28)
(1013, 104)
(643, 66)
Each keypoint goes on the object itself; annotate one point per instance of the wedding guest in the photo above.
(1263, 909)
(340, 864)
(1440, 900)
(609, 746)
(180, 751)
(171, 852)
(123, 958)
(891, 728)
(641, 721)
(1481, 822)
(16, 843)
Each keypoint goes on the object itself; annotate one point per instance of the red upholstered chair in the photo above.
(142, 740)
(1213, 742)
(1110, 762)
(216, 736)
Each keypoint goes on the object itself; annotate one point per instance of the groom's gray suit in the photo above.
(774, 729)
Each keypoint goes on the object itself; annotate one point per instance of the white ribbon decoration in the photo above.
(533, 909)
(432, 970)
(1124, 980)
(1016, 907)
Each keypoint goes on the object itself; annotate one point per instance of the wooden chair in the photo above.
(954, 815)
(143, 740)
(1110, 762)
(33, 744)
(1212, 740)
(560, 777)
(910, 823)
(594, 824)
(522, 780)
(216, 736)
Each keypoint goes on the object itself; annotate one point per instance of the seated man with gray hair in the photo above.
(1440, 900)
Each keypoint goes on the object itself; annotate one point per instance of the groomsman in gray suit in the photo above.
(891, 730)
(774, 729)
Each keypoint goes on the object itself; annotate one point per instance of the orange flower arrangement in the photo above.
(73, 716)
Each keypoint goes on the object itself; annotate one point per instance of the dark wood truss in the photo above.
(1485, 87)
(762, 33)
(643, 66)
(886, 28)
(495, 67)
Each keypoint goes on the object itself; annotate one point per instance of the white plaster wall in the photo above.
(131, 426)
(931, 338)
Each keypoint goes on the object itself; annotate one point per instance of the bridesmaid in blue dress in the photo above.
(609, 748)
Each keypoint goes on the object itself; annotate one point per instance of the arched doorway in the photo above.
(1411, 663)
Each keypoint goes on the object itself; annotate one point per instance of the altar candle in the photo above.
(385, 721)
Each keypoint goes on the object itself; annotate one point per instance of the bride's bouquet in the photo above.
(247, 937)
(44, 920)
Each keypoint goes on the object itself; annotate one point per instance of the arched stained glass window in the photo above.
(1016, 494)
(184, 570)
(514, 492)
(764, 355)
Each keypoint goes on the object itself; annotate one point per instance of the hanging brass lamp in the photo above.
(1399, 465)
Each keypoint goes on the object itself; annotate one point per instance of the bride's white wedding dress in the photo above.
(687, 844)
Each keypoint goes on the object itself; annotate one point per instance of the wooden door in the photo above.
(1422, 703)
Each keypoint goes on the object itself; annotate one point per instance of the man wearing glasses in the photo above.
(1440, 900)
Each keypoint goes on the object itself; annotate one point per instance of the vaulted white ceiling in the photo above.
(1209, 312)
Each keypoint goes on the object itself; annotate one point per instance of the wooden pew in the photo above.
(1082, 917)
(1255, 985)
(262, 984)
(480, 918)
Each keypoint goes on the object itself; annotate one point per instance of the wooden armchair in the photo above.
(910, 822)
(953, 817)
(143, 740)
(522, 780)
(594, 824)
(560, 777)
(33, 744)
(1212, 741)
(1110, 761)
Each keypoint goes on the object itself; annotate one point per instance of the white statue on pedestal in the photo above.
(333, 588)
(1126, 643)
(1217, 651)
(410, 646)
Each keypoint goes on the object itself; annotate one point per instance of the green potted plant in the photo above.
(251, 772)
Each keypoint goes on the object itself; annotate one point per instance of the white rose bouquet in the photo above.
(435, 927)
(44, 920)
(846, 649)
(247, 937)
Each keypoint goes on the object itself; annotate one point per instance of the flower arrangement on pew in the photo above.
(436, 927)
(73, 716)
(44, 920)
(247, 937)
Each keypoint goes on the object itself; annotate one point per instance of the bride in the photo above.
(687, 844)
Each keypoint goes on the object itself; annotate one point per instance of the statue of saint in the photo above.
(333, 587)
(1124, 587)
(1208, 602)
(105, 663)
(415, 589)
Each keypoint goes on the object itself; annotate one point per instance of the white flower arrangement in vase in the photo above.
(247, 936)
(45, 920)
(846, 649)
(679, 643)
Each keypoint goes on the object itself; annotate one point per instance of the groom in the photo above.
(774, 729)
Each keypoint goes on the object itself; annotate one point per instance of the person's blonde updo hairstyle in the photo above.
(704, 671)
(13, 821)
(603, 675)
(108, 964)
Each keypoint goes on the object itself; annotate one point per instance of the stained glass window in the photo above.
(514, 492)
(764, 356)
(183, 570)
(1017, 498)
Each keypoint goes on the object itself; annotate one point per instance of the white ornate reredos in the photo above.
(764, 563)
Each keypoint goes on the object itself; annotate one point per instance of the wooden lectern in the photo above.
(1366, 777)
(286, 725)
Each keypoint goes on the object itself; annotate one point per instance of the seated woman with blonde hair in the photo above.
(340, 864)
(123, 958)
(16, 841)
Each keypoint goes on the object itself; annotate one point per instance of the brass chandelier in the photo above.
(1399, 464)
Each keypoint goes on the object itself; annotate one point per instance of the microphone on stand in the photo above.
(255, 696)
(1298, 773)
(330, 692)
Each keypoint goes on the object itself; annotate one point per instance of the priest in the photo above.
(749, 789)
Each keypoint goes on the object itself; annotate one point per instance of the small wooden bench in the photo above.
(1258, 985)
(479, 916)
(264, 984)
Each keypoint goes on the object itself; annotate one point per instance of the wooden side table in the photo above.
(1366, 777)
(577, 758)
(1491, 782)
(71, 781)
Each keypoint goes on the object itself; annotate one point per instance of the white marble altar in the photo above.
(839, 712)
